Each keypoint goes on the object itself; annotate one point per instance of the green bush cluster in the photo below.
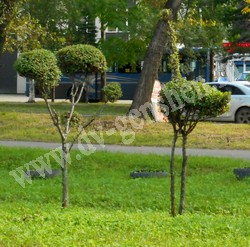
(78, 59)
(192, 97)
(112, 91)
(45, 67)
(39, 65)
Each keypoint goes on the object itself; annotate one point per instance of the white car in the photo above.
(239, 111)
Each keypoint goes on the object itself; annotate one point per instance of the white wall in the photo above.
(21, 84)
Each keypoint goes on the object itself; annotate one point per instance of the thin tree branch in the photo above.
(55, 118)
(86, 125)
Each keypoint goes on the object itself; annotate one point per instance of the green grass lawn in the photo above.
(39, 127)
(108, 208)
(82, 108)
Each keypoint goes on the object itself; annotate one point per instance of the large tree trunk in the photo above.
(183, 174)
(153, 58)
(172, 174)
(151, 65)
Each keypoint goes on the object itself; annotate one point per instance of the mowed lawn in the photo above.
(108, 208)
(32, 122)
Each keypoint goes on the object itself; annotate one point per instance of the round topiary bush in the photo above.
(81, 59)
(39, 65)
(112, 91)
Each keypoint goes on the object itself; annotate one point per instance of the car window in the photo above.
(230, 88)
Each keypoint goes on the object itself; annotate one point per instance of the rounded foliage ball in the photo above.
(39, 65)
(112, 91)
(81, 59)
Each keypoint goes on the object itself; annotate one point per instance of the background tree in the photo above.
(196, 28)
(68, 22)
(186, 103)
(154, 54)
(241, 24)
(135, 32)
(246, 8)
(41, 65)
(7, 13)
(18, 29)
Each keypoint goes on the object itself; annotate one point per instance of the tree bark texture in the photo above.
(183, 174)
(153, 58)
(31, 91)
(103, 84)
(211, 67)
(151, 65)
(172, 174)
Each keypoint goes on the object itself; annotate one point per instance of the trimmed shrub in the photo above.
(81, 59)
(181, 99)
(112, 91)
(39, 65)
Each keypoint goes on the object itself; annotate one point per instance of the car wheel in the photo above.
(243, 115)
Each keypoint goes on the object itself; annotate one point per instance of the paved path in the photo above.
(21, 98)
(242, 154)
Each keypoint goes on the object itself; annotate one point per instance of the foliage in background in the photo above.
(25, 33)
(246, 9)
(68, 22)
(8, 9)
(54, 24)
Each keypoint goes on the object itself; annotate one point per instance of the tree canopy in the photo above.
(41, 66)
(30, 24)
(80, 59)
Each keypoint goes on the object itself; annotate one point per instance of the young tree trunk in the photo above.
(103, 84)
(183, 174)
(31, 91)
(211, 67)
(65, 182)
(53, 94)
(2, 37)
(153, 58)
(172, 174)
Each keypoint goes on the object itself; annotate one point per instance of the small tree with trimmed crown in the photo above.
(42, 66)
(186, 103)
